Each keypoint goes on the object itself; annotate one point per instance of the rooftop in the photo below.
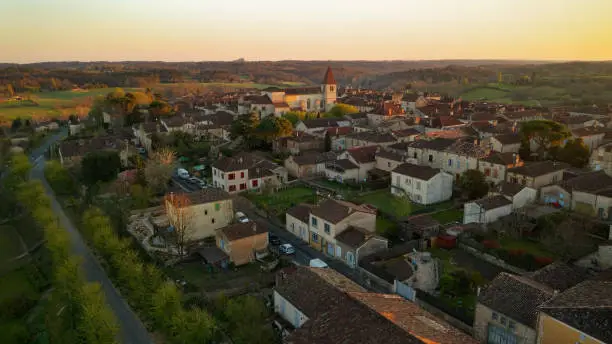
(240, 230)
(493, 202)
(335, 211)
(540, 168)
(207, 195)
(416, 171)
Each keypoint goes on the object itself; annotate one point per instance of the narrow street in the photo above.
(132, 330)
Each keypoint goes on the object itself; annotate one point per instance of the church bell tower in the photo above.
(329, 90)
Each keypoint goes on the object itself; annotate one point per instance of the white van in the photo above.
(182, 173)
(317, 263)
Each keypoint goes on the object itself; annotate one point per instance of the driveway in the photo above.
(132, 330)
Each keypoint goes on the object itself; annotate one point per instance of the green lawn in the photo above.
(385, 226)
(528, 246)
(447, 216)
(199, 276)
(388, 203)
(280, 201)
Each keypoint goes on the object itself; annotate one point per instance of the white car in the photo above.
(241, 217)
(286, 249)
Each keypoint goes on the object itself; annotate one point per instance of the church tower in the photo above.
(328, 88)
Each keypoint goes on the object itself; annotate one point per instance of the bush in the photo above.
(490, 244)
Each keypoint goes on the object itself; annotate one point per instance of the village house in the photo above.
(537, 174)
(207, 210)
(356, 242)
(311, 299)
(522, 116)
(297, 219)
(459, 157)
(369, 138)
(40, 127)
(421, 184)
(508, 143)
(342, 171)
(577, 121)
(486, 210)
(388, 160)
(495, 165)
(312, 125)
(337, 136)
(359, 118)
(309, 164)
(406, 135)
(242, 242)
(300, 142)
(71, 152)
(246, 172)
(332, 217)
(359, 103)
(144, 131)
(592, 137)
(429, 152)
(601, 159)
(560, 194)
(519, 195)
(361, 158)
(508, 308)
(580, 314)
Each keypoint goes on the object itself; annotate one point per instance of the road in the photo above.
(132, 330)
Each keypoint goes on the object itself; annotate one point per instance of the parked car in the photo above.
(241, 217)
(317, 263)
(274, 240)
(286, 249)
(194, 180)
(202, 184)
(182, 173)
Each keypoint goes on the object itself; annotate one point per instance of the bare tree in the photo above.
(181, 216)
(159, 168)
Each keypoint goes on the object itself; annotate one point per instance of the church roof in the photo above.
(328, 79)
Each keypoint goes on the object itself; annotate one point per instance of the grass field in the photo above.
(388, 203)
(447, 216)
(279, 202)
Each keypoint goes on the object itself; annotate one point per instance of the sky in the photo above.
(207, 30)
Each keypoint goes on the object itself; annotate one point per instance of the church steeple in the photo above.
(329, 79)
(328, 87)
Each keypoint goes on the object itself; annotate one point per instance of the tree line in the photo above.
(76, 311)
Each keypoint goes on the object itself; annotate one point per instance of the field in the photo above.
(388, 203)
(279, 202)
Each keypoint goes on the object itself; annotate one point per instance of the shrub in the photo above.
(490, 243)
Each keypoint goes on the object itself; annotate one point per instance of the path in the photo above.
(132, 330)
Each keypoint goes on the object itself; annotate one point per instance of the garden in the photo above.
(277, 203)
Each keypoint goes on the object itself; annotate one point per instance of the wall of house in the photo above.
(386, 164)
(438, 189)
(364, 168)
(345, 251)
(348, 175)
(364, 220)
(601, 160)
(207, 217)
(593, 141)
(242, 251)
(288, 311)
(535, 182)
(472, 213)
(494, 214)
(504, 148)
(484, 316)
(371, 246)
(552, 331)
(456, 164)
(297, 227)
(494, 173)
(524, 197)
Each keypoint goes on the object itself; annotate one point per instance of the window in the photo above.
(314, 221)
(231, 176)
(388, 164)
(458, 164)
(487, 172)
(408, 181)
(418, 185)
(308, 103)
(205, 212)
(430, 158)
(327, 228)
(503, 321)
(212, 220)
(241, 174)
(495, 173)
(511, 325)
(494, 316)
(315, 237)
(450, 162)
(217, 206)
(232, 188)
(255, 183)
(243, 186)
(331, 88)
(414, 155)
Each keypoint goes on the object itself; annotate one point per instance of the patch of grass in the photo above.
(487, 93)
(385, 226)
(279, 202)
(388, 203)
(198, 275)
(447, 216)
(532, 247)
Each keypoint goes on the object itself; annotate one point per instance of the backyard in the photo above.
(384, 201)
(279, 202)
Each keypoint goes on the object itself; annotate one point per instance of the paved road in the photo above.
(132, 330)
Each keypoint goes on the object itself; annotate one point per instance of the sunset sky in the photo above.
(196, 30)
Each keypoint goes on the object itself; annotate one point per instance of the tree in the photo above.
(575, 153)
(328, 142)
(59, 178)
(340, 110)
(474, 184)
(246, 317)
(545, 134)
(100, 166)
(141, 195)
(180, 215)
(159, 169)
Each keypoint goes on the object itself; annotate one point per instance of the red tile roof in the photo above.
(329, 79)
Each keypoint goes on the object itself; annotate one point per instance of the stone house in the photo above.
(309, 164)
(209, 209)
(71, 152)
(242, 241)
(519, 195)
(356, 242)
(429, 152)
(421, 184)
(362, 157)
(537, 174)
(495, 165)
(507, 143)
(332, 217)
(592, 137)
(486, 210)
(369, 138)
(246, 172)
(300, 142)
(297, 219)
(388, 160)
